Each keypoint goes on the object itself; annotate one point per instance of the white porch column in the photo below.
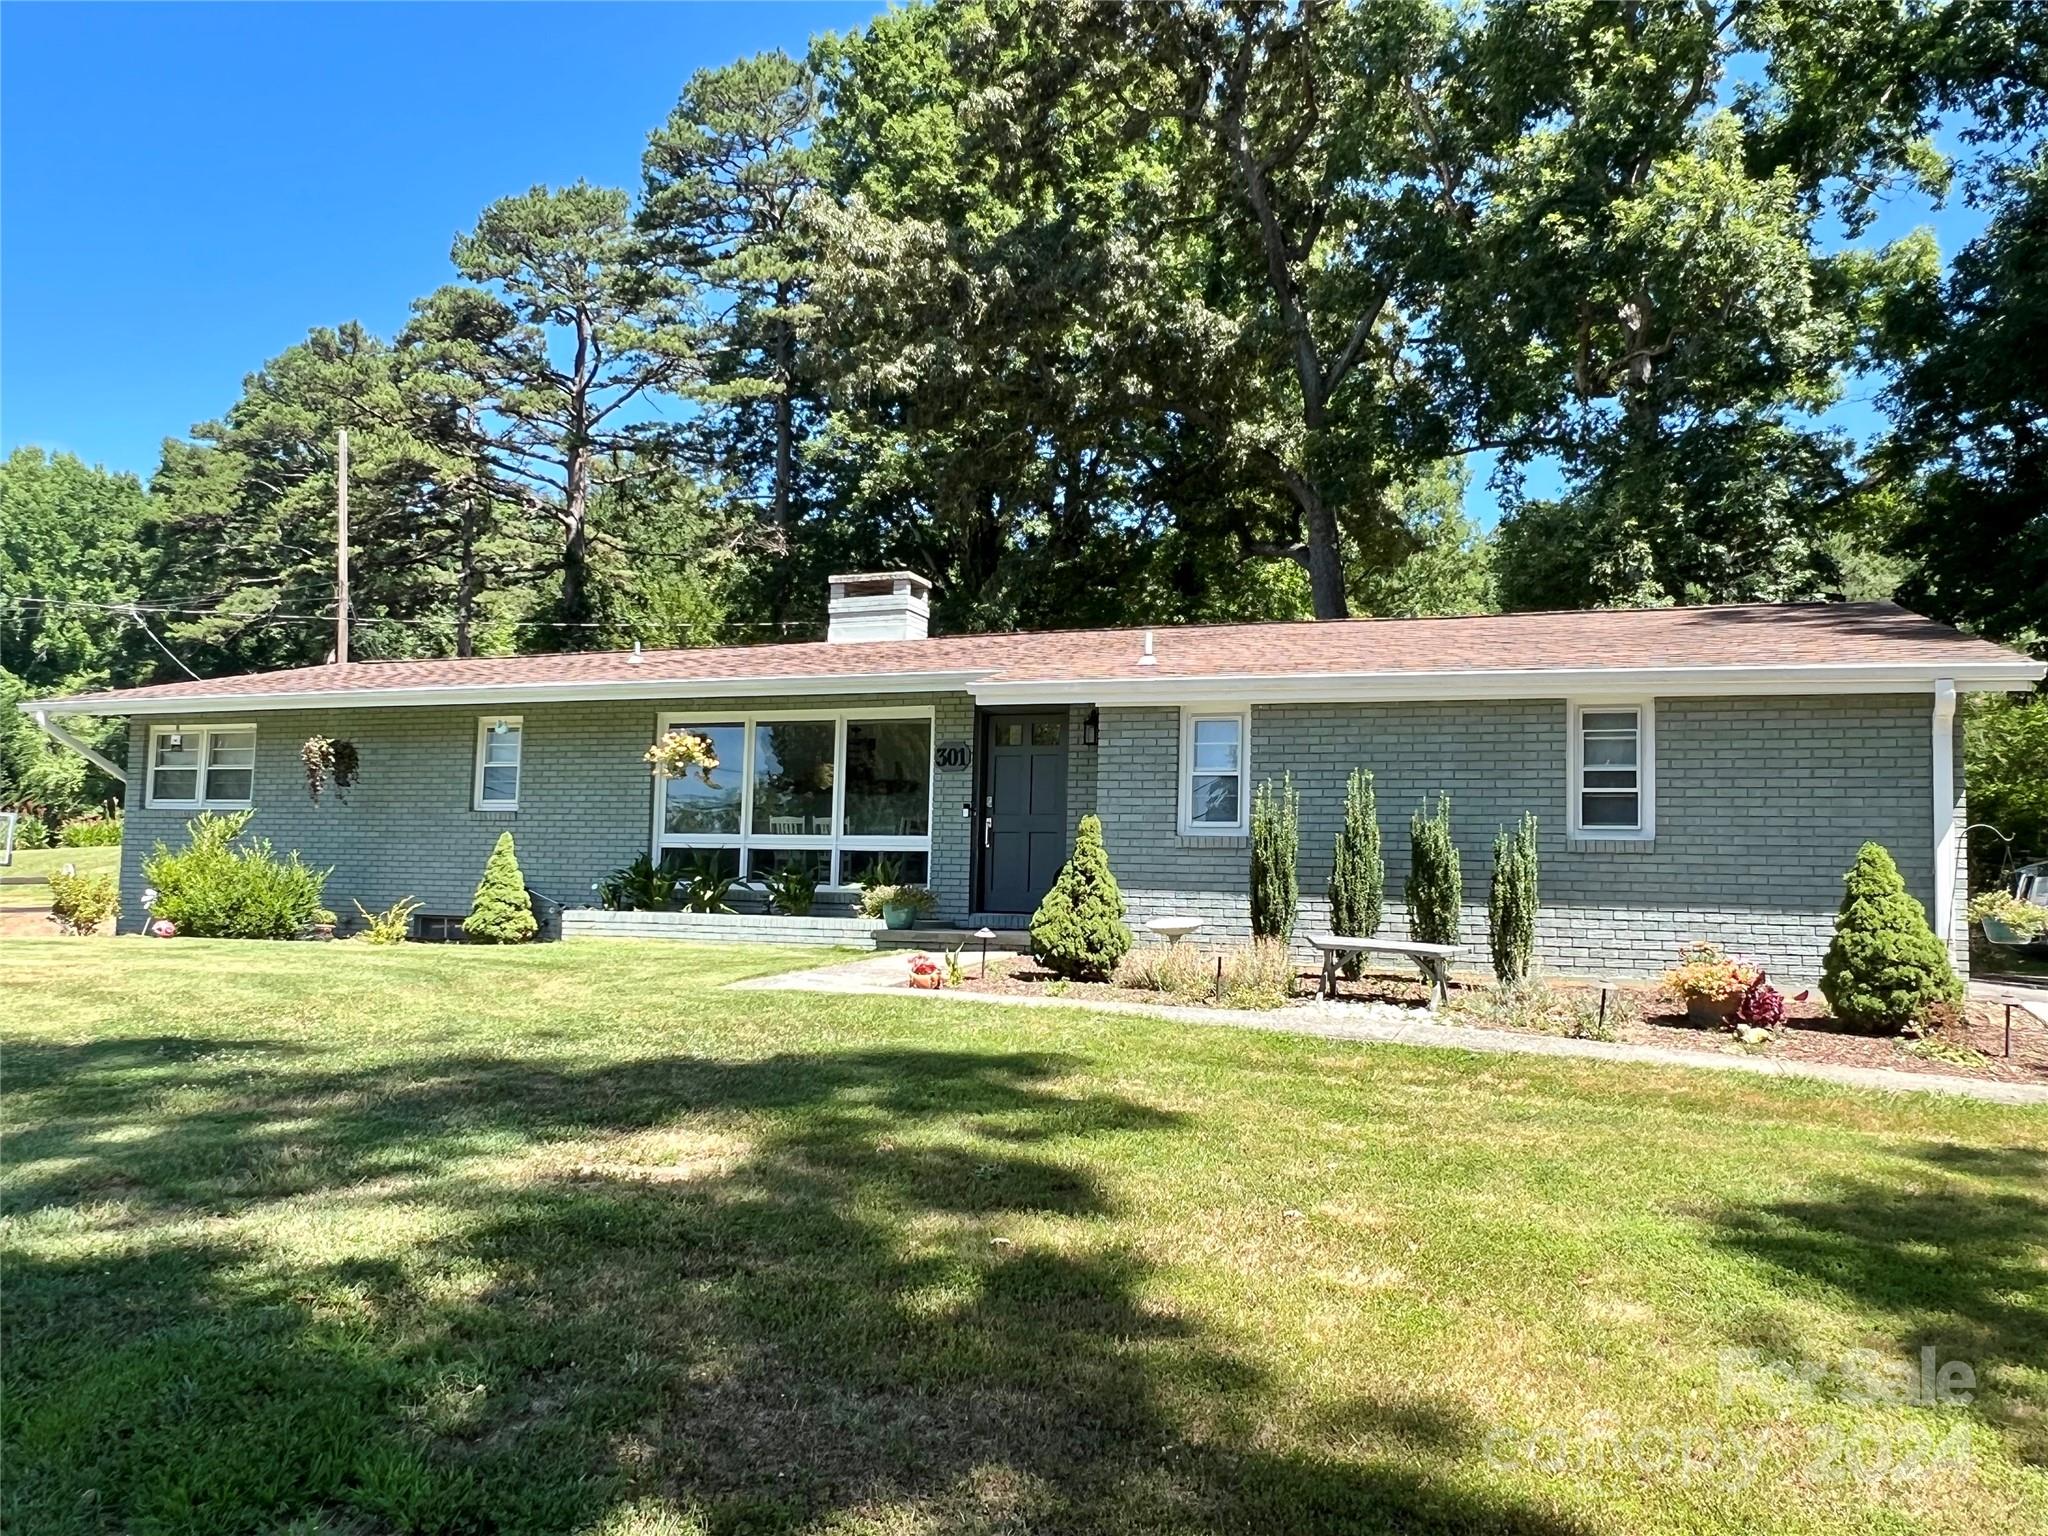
(1945, 817)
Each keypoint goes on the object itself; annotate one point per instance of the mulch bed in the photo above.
(1641, 1013)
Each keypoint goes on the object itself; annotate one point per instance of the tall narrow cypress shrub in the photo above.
(1511, 902)
(1435, 883)
(1358, 875)
(1276, 844)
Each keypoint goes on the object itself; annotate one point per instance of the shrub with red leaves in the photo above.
(1762, 1004)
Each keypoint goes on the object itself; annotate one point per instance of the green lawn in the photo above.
(40, 862)
(320, 1238)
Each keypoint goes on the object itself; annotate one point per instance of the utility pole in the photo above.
(341, 552)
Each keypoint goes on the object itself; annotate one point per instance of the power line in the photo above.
(128, 609)
(136, 615)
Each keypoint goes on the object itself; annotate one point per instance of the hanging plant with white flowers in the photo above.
(679, 753)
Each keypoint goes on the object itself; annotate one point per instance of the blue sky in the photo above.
(187, 190)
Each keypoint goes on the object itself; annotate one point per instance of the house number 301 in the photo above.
(954, 757)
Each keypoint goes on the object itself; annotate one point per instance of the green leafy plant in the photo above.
(81, 902)
(392, 925)
(502, 912)
(214, 889)
(2002, 907)
(31, 832)
(875, 900)
(884, 871)
(641, 886)
(327, 761)
(705, 886)
(1435, 883)
(1078, 931)
(1885, 968)
(1276, 845)
(792, 890)
(1511, 901)
(1358, 874)
(90, 832)
(955, 971)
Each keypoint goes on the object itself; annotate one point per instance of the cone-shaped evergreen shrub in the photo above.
(1886, 967)
(1276, 844)
(1078, 930)
(1435, 883)
(1511, 902)
(1358, 876)
(502, 912)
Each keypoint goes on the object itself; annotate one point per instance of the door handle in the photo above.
(988, 824)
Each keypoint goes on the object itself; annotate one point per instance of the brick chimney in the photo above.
(879, 605)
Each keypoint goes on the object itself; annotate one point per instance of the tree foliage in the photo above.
(502, 912)
(1358, 874)
(1276, 848)
(1511, 902)
(1885, 967)
(1435, 888)
(1078, 930)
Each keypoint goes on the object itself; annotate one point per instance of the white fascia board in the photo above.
(58, 734)
(680, 689)
(1530, 683)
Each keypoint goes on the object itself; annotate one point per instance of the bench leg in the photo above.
(1439, 982)
(1329, 973)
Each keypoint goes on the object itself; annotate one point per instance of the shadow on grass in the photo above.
(1952, 1264)
(888, 1296)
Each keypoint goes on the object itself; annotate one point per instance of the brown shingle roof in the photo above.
(1749, 635)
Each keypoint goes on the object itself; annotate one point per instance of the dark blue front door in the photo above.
(1023, 810)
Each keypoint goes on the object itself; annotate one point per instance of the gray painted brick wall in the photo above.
(1761, 804)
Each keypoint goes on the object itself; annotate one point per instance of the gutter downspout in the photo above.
(62, 737)
(1945, 818)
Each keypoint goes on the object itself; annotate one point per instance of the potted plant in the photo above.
(322, 926)
(1711, 984)
(683, 752)
(924, 973)
(898, 906)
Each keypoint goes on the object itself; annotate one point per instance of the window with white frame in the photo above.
(500, 740)
(202, 767)
(1613, 789)
(1215, 769)
(837, 794)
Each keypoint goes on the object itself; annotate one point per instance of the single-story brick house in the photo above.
(1698, 772)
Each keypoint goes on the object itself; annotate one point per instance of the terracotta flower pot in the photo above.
(1718, 1009)
(925, 982)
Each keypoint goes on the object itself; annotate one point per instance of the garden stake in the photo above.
(2008, 1029)
(1603, 1007)
(985, 935)
(1219, 978)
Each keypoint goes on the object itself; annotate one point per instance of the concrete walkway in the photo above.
(1384, 1023)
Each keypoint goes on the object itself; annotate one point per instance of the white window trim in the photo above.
(832, 845)
(205, 733)
(1188, 826)
(1646, 770)
(483, 729)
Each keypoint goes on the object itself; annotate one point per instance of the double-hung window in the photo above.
(204, 767)
(836, 795)
(500, 739)
(1613, 790)
(1215, 770)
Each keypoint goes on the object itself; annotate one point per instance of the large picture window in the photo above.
(1613, 789)
(837, 795)
(209, 767)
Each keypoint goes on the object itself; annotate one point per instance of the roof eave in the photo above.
(1520, 683)
(650, 689)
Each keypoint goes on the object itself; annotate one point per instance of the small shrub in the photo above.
(81, 903)
(1435, 884)
(1276, 845)
(792, 890)
(1886, 967)
(1511, 901)
(1078, 931)
(1762, 1005)
(956, 973)
(705, 885)
(1358, 874)
(90, 832)
(392, 925)
(641, 886)
(502, 912)
(213, 889)
(31, 832)
(1258, 975)
(1179, 970)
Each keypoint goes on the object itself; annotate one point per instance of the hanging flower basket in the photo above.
(329, 762)
(683, 752)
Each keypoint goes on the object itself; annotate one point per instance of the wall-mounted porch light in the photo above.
(1091, 728)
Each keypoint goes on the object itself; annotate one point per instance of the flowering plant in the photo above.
(682, 752)
(925, 973)
(1762, 1004)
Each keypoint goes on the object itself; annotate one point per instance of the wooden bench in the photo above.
(1432, 959)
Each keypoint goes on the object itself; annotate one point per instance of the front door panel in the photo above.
(1024, 810)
